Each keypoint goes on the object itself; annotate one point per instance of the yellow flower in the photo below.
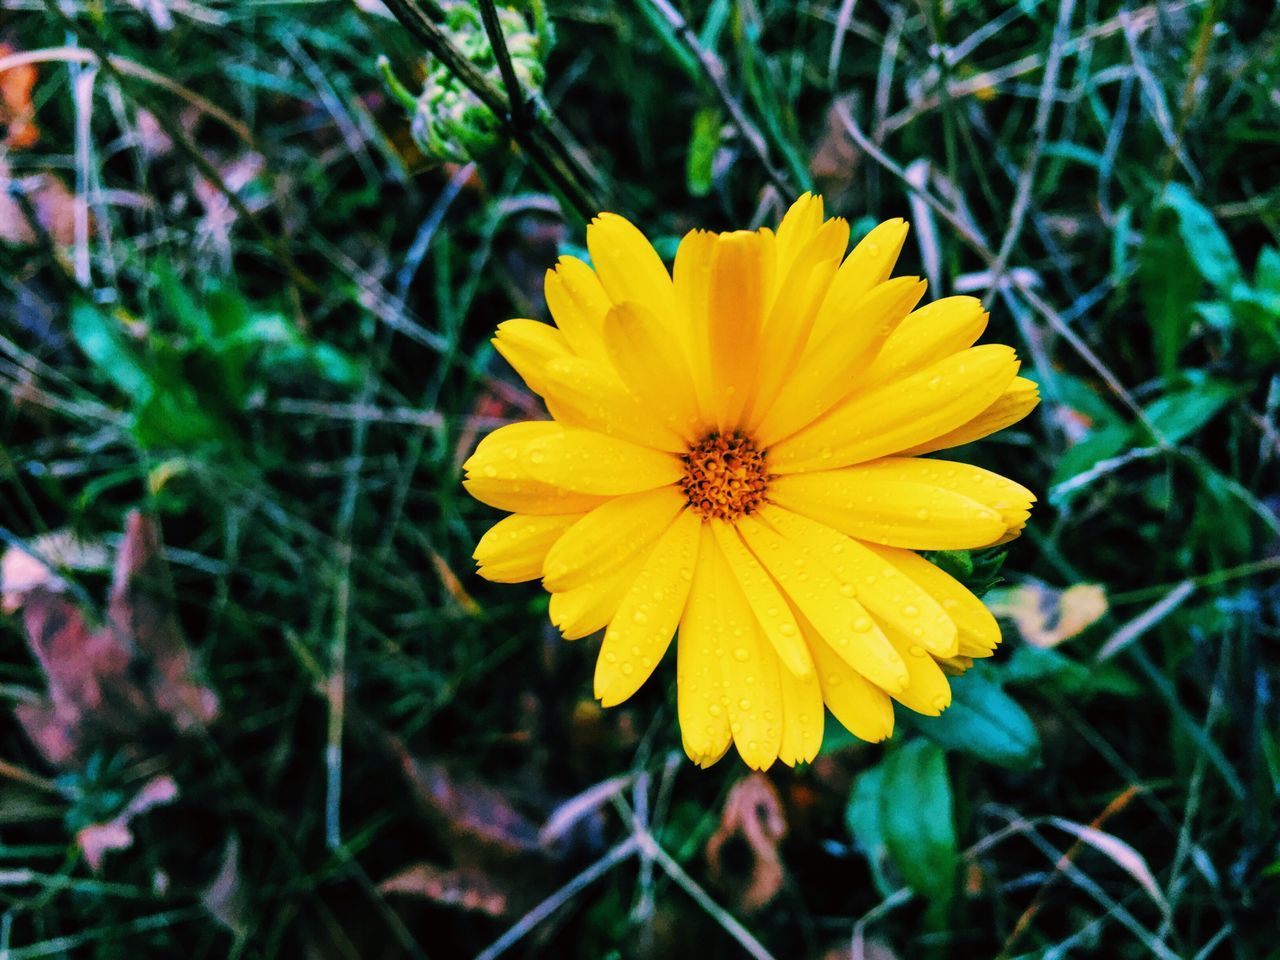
(736, 452)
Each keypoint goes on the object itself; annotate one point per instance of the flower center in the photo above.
(724, 476)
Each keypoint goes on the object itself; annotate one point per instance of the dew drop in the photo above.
(862, 624)
(744, 704)
(916, 650)
(741, 654)
(640, 617)
(490, 470)
(846, 590)
(922, 514)
(787, 629)
(628, 669)
(911, 610)
(715, 709)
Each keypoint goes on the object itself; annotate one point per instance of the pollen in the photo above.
(725, 476)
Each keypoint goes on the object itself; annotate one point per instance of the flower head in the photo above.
(737, 455)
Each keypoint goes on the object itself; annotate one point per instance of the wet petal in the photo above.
(701, 694)
(570, 458)
(1019, 399)
(826, 603)
(867, 506)
(610, 536)
(887, 594)
(902, 414)
(514, 548)
(773, 613)
(829, 370)
(927, 335)
(639, 635)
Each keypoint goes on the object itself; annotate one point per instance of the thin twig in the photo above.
(515, 95)
(1039, 130)
(714, 70)
(627, 848)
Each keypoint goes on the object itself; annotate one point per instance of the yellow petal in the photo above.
(578, 303)
(773, 613)
(802, 717)
(751, 672)
(901, 414)
(1009, 499)
(570, 458)
(866, 506)
(587, 393)
(827, 604)
(869, 265)
(928, 335)
(701, 695)
(654, 367)
(529, 496)
(799, 225)
(863, 708)
(1019, 399)
(786, 331)
(829, 370)
(584, 610)
(513, 548)
(628, 266)
(640, 633)
(735, 312)
(692, 282)
(610, 536)
(927, 690)
(889, 596)
(979, 632)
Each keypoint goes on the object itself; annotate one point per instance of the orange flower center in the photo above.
(724, 476)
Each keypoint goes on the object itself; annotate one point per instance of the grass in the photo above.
(267, 325)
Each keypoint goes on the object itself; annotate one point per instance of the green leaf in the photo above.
(1205, 242)
(1180, 413)
(99, 336)
(865, 820)
(1169, 285)
(982, 720)
(1266, 276)
(918, 819)
(704, 141)
(1038, 665)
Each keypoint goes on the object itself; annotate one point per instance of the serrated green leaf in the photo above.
(918, 819)
(982, 720)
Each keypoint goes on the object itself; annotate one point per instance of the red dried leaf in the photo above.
(98, 839)
(17, 112)
(465, 889)
(476, 818)
(106, 684)
(742, 855)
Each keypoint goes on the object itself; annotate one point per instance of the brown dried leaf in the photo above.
(465, 889)
(1045, 617)
(742, 856)
(835, 159)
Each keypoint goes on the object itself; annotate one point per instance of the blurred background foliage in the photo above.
(257, 704)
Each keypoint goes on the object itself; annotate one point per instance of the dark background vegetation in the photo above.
(268, 330)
